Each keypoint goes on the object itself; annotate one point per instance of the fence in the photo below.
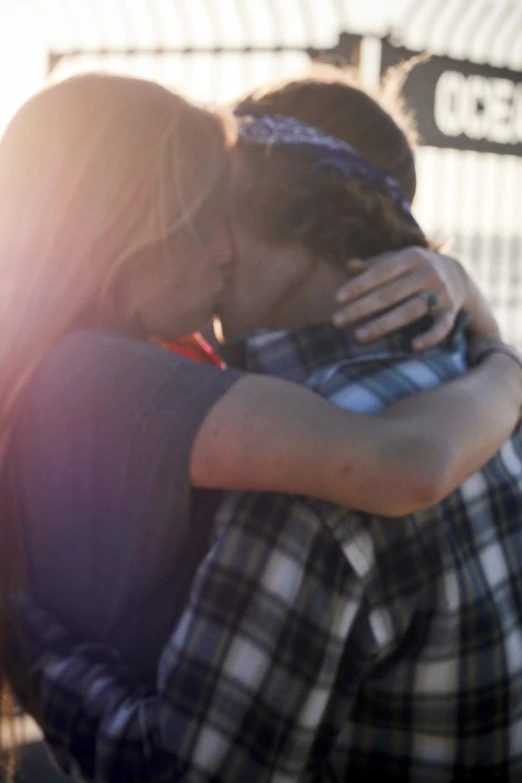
(217, 49)
(474, 198)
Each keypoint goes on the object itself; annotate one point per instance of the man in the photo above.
(320, 643)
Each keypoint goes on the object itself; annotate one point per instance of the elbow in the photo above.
(414, 489)
(428, 491)
(418, 493)
(429, 478)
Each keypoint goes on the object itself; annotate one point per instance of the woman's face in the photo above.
(178, 287)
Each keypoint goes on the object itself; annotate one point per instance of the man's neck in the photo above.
(314, 301)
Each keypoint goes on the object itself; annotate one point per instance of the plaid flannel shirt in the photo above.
(319, 643)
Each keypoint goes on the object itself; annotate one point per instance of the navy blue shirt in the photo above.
(102, 449)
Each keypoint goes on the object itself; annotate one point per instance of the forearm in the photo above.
(461, 424)
(422, 448)
(110, 731)
(266, 434)
(99, 720)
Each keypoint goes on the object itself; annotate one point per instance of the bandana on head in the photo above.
(276, 130)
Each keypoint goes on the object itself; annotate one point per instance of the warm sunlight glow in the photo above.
(468, 197)
(22, 60)
(81, 24)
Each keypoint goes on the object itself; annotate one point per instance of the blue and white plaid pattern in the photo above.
(320, 644)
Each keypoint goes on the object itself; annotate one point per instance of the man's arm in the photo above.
(245, 679)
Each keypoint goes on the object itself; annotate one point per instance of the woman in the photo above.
(113, 229)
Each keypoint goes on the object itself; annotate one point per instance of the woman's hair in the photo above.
(336, 218)
(93, 169)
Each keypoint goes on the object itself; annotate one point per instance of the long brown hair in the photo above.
(336, 218)
(92, 170)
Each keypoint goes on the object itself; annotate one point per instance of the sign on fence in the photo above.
(462, 105)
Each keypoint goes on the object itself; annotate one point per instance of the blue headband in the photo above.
(276, 130)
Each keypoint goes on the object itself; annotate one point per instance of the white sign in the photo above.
(479, 107)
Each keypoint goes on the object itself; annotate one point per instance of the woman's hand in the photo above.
(397, 288)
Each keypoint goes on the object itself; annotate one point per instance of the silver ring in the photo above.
(430, 299)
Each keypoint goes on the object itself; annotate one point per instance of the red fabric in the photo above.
(195, 347)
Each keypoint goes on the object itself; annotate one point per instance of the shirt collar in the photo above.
(295, 353)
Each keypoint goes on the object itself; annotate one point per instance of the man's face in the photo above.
(263, 277)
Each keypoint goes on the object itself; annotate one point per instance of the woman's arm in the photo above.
(271, 435)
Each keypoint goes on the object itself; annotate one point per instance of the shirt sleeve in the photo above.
(246, 680)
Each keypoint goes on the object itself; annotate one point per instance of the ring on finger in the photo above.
(431, 300)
